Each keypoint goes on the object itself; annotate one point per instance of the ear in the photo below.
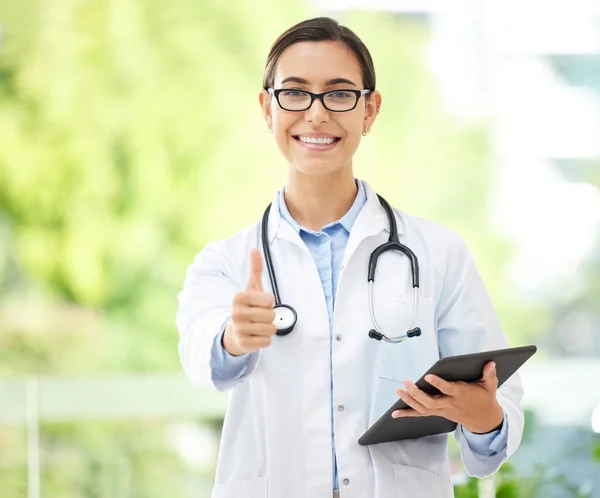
(264, 99)
(372, 107)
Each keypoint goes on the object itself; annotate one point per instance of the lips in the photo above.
(316, 140)
(319, 144)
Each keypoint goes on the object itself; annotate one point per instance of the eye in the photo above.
(340, 96)
(293, 94)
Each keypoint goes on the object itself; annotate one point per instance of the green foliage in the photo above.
(545, 480)
(95, 460)
(596, 450)
(511, 484)
(468, 490)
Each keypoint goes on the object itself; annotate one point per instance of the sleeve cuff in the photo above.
(489, 444)
(225, 366)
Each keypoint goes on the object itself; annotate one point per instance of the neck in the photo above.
(316, 201)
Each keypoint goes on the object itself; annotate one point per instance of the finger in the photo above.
(489, 370)
(256, 271)
(413, 403)
(445, 387)
(489, 380)
(429, 402)
(256, 330)
(253, 315)
(255, 298)
(406, 412)
(254, 343)
(490, 377)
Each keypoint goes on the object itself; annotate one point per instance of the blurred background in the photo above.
(131, 135)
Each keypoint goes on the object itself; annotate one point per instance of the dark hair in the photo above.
(321, 29)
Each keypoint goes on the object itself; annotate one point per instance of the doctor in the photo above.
(300, 401)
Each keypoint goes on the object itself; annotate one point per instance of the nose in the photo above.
(316, 113)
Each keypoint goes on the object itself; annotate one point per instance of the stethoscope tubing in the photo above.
(288, 316)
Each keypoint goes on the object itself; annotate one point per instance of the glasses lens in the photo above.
(294, 100)
(340, 100)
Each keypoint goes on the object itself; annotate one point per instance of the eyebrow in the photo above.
(302, 81)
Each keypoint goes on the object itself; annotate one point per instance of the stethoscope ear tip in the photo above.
(373, 334)
(416, 332)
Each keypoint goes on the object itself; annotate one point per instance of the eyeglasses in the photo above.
(301, 100)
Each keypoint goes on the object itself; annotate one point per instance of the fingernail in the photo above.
(395, 414)
(430, 379)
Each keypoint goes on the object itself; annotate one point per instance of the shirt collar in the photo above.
(371, 220)
(346, 221)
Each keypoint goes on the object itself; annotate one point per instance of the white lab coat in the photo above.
(276, 439)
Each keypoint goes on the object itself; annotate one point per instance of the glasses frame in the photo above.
(320, 96)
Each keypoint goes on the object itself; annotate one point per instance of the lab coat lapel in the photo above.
(280, 228)
(371, 221)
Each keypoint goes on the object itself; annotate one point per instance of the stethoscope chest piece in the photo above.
(285, 319)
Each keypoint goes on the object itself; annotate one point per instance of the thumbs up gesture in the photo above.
(251, 325)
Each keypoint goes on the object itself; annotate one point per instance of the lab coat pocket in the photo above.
(413, 481)
(407, 360)
(249, 488)
(385, 397)
(411, 358)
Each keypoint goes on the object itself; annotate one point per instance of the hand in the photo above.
(474, 406)
(251, 325)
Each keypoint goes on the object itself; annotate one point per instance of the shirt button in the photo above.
(341, 408)
(338, 337)
(346, 481)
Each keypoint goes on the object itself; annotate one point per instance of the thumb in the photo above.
(489, 374)
(256, 271)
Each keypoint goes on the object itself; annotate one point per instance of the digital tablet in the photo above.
(466, 368)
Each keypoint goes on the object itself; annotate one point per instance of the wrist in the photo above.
(228, 341)
(493, 422)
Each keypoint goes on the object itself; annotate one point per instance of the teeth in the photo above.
(313, 140)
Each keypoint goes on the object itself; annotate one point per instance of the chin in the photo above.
(317, 168)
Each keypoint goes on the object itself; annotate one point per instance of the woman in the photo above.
(300, 401)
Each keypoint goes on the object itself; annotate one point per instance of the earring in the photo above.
(366, 132)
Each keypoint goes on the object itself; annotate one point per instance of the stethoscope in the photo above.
(286, 316)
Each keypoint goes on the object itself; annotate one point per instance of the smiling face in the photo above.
(318, 141)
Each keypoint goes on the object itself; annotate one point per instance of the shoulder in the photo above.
(427, 233)
(230, 254)
(442, 254)
(239, 241)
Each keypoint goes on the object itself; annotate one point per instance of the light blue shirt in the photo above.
(327, 249)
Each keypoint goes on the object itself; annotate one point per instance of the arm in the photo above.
(489, 444)
(205, 305)
(225, 366)
(467, 322)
